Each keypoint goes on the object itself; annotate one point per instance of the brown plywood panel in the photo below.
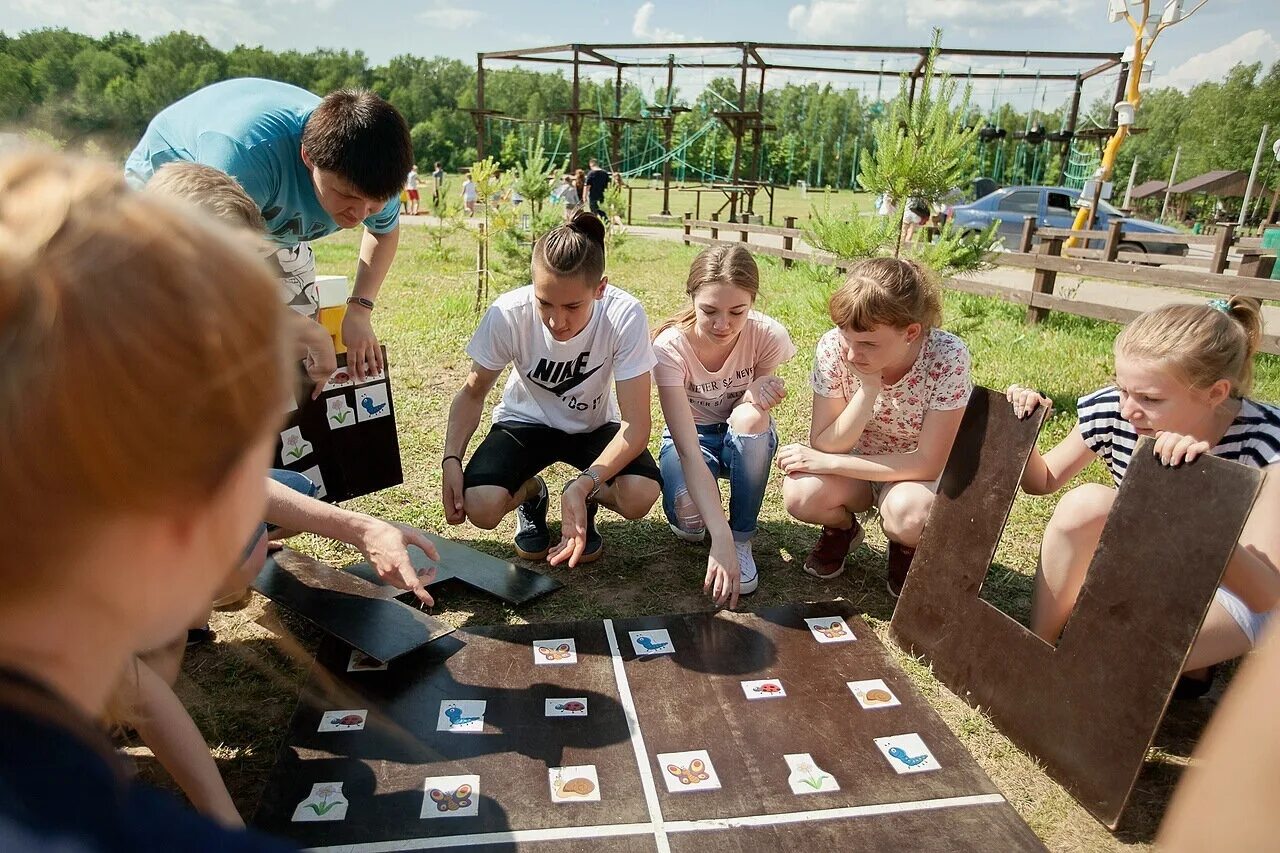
(353, 610)
(693, 699)
(1089, 707)
(388, 762)
(968, 829)
(690, 700)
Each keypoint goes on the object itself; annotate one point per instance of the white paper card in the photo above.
(461, 715)
(572, 707)
(577, 784)
(873, 693)
(769, 688)
(343, 721)
(371, 402)
(907, 753)
(324, 803)
(360, 662)
(688, 771)
(807, 777)
(561, 651)
(830, 629)
(293, 447)
(338, 412)
(451, 796)
(654, 642)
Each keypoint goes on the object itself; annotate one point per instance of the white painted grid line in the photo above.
(833, 814)
(637, 740)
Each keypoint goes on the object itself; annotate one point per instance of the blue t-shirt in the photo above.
(62, 787)
(252, 130)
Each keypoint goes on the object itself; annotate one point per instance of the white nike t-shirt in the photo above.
(565, 385)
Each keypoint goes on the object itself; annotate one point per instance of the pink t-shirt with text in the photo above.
(939, 379)
(761, 347)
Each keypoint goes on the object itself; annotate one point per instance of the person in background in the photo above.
(437, 181)
(597, 182)
(411, 187)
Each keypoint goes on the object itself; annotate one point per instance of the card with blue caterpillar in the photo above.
(654, 642)
(371, 402)
(907, 753)
(461, 715)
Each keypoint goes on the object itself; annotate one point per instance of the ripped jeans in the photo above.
(743, 460)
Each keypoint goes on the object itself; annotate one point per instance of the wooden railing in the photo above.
(1045, 262)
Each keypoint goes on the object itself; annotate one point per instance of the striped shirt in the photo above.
(1252, 439)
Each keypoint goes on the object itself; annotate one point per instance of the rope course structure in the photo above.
(642, 141)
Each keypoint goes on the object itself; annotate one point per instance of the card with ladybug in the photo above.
(830, 629)
(451, 796)
(769, 688)
(562, 651)
(688, 771)
(572, 707)
(343, 721)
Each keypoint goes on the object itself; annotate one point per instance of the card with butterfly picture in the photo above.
(830, 629)
(562, 651)
(688, 771)
(451, 796)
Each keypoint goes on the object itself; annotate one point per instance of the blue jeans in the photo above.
(743, 460)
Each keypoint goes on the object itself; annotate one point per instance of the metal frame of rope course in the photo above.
(755, 55)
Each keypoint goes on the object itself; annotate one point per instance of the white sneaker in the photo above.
(748, 576)
(688, 535)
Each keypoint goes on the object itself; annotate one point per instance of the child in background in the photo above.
(1182, 376)
(128, 493)
(716, 385)
(889, 392)
(469, 194)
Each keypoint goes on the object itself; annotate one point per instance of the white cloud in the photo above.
(836, 20)
(451, 17)
(1253, 46)
(642, 26)
(224, 23)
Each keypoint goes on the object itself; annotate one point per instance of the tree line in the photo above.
(103, 91)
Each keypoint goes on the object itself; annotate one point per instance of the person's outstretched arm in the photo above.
(377, 251)
(167, 729)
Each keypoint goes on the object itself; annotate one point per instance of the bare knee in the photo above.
(634, 496)
(486, 509)
(748, 419)
(903, 514)
(1083, 509)
(802, 496)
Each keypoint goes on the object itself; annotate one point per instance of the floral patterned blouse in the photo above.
(939, 379)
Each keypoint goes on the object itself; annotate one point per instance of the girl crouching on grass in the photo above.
(1182, 373)
(889, 391)
(714, 372)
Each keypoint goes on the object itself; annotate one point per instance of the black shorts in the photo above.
(512, 453)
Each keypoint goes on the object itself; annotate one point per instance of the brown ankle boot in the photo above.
(900, 557)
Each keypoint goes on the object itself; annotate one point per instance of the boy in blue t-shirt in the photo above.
(313, 166)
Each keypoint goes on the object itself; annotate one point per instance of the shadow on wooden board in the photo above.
(1088, 709)
(503, 580)
(355, 611)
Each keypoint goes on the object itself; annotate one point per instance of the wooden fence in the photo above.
(1045, 261)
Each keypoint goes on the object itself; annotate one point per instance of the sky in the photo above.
(1220, 34)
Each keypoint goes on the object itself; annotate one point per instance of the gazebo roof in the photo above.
(1229, 183)
(1147, 189)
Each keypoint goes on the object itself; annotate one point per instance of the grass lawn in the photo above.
(786, 202)
(242, 689)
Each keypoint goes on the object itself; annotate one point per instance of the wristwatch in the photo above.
(595, 482)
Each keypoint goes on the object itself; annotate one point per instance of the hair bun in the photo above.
(589, 225)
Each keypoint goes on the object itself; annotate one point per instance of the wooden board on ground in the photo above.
(345, 441)
(502, 579)
(794, 765)
(1089, 707)
(355, 611)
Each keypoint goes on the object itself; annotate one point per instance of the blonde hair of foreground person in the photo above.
(142, 375)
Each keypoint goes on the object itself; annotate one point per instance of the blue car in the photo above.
(1052, 208)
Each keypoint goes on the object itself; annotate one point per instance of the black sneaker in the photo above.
(533, 539)
(595, 545)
